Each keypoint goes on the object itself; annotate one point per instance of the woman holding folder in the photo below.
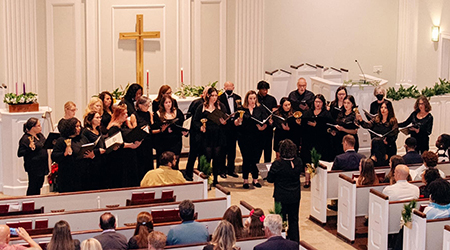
(209, 120)
(345, 124)
(285, 124)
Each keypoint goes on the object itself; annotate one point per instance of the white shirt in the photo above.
(402, 190)
(416, 174)
(230, 103)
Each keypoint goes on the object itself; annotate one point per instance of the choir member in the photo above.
(301, 98)
(271, 103)
(345, 125)
(212, 137)
(35, 157)
(91, 133)
(380, 93)
(422, 124)
(285, 126)
(107, 100)
(70, 109)
(250, 137)
(232, 102)
(384, 124)
(142, 118)
(194, 136)
(337, 104)
(122, 163)
(96, 105)
(71, 168)
(169, 120)
(134, 91)
(164, 90)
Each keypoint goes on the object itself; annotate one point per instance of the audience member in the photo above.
(189, 231)
(272, 230)
(110, 239)
(223, 238)
(429, 176)
(439, 206)
(255, 223)
(394, 161)
(234, 216)
(156, 240)
(367, 174)
(62, 238)
(91, 244)
(430, 160)
(349, 160)
(165, 174)
(144, 226)
(411, 156)
(378, 152)
(402, 189)
(443, 143)
(21, 232)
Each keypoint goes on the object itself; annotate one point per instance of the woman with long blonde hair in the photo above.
(223, 238)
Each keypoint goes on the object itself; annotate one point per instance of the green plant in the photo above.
(118, 93)
(204, 166)
(361, 83)
(276, 208)
(195, 91)
(440, 88)
(26, 98)
(407, 211)
(315, 158)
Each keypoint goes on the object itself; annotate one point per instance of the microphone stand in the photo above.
(364, 75)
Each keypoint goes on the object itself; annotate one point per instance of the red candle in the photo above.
(147, 77)
(181, 75)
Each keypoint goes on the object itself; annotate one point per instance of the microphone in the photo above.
(364, 75)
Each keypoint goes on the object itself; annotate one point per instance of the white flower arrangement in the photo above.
(26, 98)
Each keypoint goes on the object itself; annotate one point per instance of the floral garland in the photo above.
(26, 98)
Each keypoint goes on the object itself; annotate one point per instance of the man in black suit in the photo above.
(270, 103)
(411, 156)
(272, 230)
(110, 239)
(349, 160)
(232, 103)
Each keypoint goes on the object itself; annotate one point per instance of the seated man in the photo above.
(272, 231)
(402, 189)
(349, 160)
(156, 240)
(165, 174)
(189, 231)
(439, 206)
(430, 161)
(21, 232)
(109, 238)
(411, 156)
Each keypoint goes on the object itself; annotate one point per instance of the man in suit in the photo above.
(270, 103)
(110, 239)
(411, 156)
(272, 230)
(232, 102)
(402, 189)
(349, 160)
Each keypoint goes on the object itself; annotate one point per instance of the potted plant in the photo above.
(25, 102)
(406, 214)
(205, 167)
(315, 158)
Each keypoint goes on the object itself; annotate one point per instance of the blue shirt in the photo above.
(187, 233)
(436, 211)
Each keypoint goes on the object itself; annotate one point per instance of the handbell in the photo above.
(203, 121)
(241, 113)
(297, 114)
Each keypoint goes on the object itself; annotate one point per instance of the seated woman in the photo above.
(367, 174)
(62, 238)
(429, 176)
(255, 223)
(144, 226)
(223, 238)
(393, 162)
(439, 206)
(378, 153)
(234, 216)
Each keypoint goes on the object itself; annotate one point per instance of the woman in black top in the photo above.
(142, 118)
(380, 93)
(250, 136)
(286, 126)
(71, 168)
(422, 122)
(91, 134)
(386, 124)
(169, 120)
(107, 100)
(164, 90)
(345, 125)
(285, 174)
(337, 105)
(211, 136)
(134, 91)
(35, 157)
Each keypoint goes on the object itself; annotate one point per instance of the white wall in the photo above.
(332, 33)
(2, 44)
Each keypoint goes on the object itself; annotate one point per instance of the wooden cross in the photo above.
(139, 35)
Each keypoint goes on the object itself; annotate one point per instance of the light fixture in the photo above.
(435, 34)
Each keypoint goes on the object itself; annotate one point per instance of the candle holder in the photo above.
(203, 121)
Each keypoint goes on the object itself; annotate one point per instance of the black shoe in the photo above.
(257, 184)
(223, 176)
(233, 175)
(332, 207)
(307, 185)
(215, 183)
(246, 186)
(189, 179)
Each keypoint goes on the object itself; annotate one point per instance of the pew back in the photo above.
(446, 238)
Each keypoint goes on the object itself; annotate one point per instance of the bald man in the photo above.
(301, 99)
(402, 189)
(232, 102)
(5, 237)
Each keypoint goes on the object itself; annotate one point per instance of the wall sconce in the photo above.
(435, 34)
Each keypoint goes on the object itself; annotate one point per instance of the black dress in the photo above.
(270, 102)
(145, 151)
(35, 162)
(106, 118)
(347, 122)
(281, 134)
(316, 137)
(95, 177)
(194, 145)
(384, 128)
(285, 174)
(425, 126)
(71, 168)
(335, 110)
(171, 138)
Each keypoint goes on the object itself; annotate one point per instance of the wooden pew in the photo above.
(305, 246)
(425, 234)
(384, 218)
(102, 198)
(446, 238)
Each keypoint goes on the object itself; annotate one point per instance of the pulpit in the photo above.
(13, 178)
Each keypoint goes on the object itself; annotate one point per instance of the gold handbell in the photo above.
(297, 114)
(356, 110)
(241, 113)
(203, 121)
(68, 142)
(31, 139)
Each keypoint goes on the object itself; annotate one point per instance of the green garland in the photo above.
(195, 91)
(440, 88)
